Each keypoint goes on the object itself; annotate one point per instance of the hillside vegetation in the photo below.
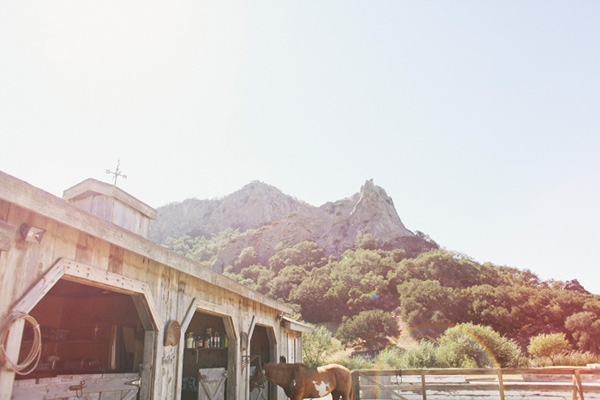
(352, 263)
(433, 291)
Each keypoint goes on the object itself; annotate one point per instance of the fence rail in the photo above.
(417, 384)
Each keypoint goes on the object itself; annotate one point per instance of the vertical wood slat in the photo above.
(423, 387)
(356, 385)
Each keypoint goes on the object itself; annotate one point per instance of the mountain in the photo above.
(267, 216)
(255, 205)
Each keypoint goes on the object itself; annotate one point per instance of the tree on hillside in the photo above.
(428, 302)
(369, 327)
(303, 253)
(448, 268)
(360, 281)
(366, 242)
(585, 329)
(315, 298)
(288, 279)
(548, 346)
(247, 257)
(256, 277)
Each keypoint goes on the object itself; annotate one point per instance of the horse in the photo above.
(302, 382)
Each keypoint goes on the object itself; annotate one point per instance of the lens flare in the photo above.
(374, 296)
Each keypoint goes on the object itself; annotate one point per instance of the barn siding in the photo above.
(174, 285)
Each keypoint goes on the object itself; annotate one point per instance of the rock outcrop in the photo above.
(574, 285)
(256, 204)
(266, 217)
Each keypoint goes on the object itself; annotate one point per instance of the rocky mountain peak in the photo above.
(266, 216)
(255, 205)
(375, 211)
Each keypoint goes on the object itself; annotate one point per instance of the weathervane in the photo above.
(117, 173)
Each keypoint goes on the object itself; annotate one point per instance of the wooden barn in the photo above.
(90, 308)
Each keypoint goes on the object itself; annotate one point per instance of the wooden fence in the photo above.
(480, 383)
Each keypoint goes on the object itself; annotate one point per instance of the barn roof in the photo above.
(39, 201)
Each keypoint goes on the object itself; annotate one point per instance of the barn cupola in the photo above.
(112, 204)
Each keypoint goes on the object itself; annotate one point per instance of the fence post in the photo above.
(423, 387)
(355, 385)
(577, 388)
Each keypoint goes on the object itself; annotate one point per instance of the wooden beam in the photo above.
(40, 288)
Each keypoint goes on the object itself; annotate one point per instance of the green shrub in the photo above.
(389, 359)
(475, 346)
(425, 355)
(370, 327)
(354, 362)
(548, 347)
(317, 345)
(575, 359)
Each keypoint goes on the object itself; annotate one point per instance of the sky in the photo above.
(480, 119)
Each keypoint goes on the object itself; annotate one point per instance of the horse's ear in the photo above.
(282, 359)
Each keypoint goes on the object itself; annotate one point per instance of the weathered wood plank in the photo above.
(40, 289)
(7, 235)
(66, 386)
(12, 352)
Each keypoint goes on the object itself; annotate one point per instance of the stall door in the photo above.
(101, 386)
(211, 383)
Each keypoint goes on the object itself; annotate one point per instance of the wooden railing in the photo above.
(409, 384)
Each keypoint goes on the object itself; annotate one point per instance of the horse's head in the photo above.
(258, 378)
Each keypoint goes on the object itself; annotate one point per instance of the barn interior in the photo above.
(206, 348)
(260, 345)
(85, 330)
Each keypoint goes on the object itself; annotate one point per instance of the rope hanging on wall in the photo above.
(33, 358)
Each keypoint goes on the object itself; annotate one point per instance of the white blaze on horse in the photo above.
(301, 382)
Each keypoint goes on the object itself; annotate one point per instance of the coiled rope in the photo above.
(33, 358)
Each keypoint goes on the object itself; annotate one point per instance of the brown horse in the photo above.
(302, 382)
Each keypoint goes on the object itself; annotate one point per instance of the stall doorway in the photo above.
(86, 330)
(262, 344)
(207, 358)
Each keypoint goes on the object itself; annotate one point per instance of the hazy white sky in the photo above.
(480, 119)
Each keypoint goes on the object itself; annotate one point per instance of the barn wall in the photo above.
(173, 289)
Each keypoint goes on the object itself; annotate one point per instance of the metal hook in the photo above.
(78, 389)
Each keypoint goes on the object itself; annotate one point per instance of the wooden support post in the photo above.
(577, 387)
(501, 384)
(355, 385)
(423, 387)
(13, 348)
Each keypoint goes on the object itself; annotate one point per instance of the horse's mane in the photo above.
(282, 372)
